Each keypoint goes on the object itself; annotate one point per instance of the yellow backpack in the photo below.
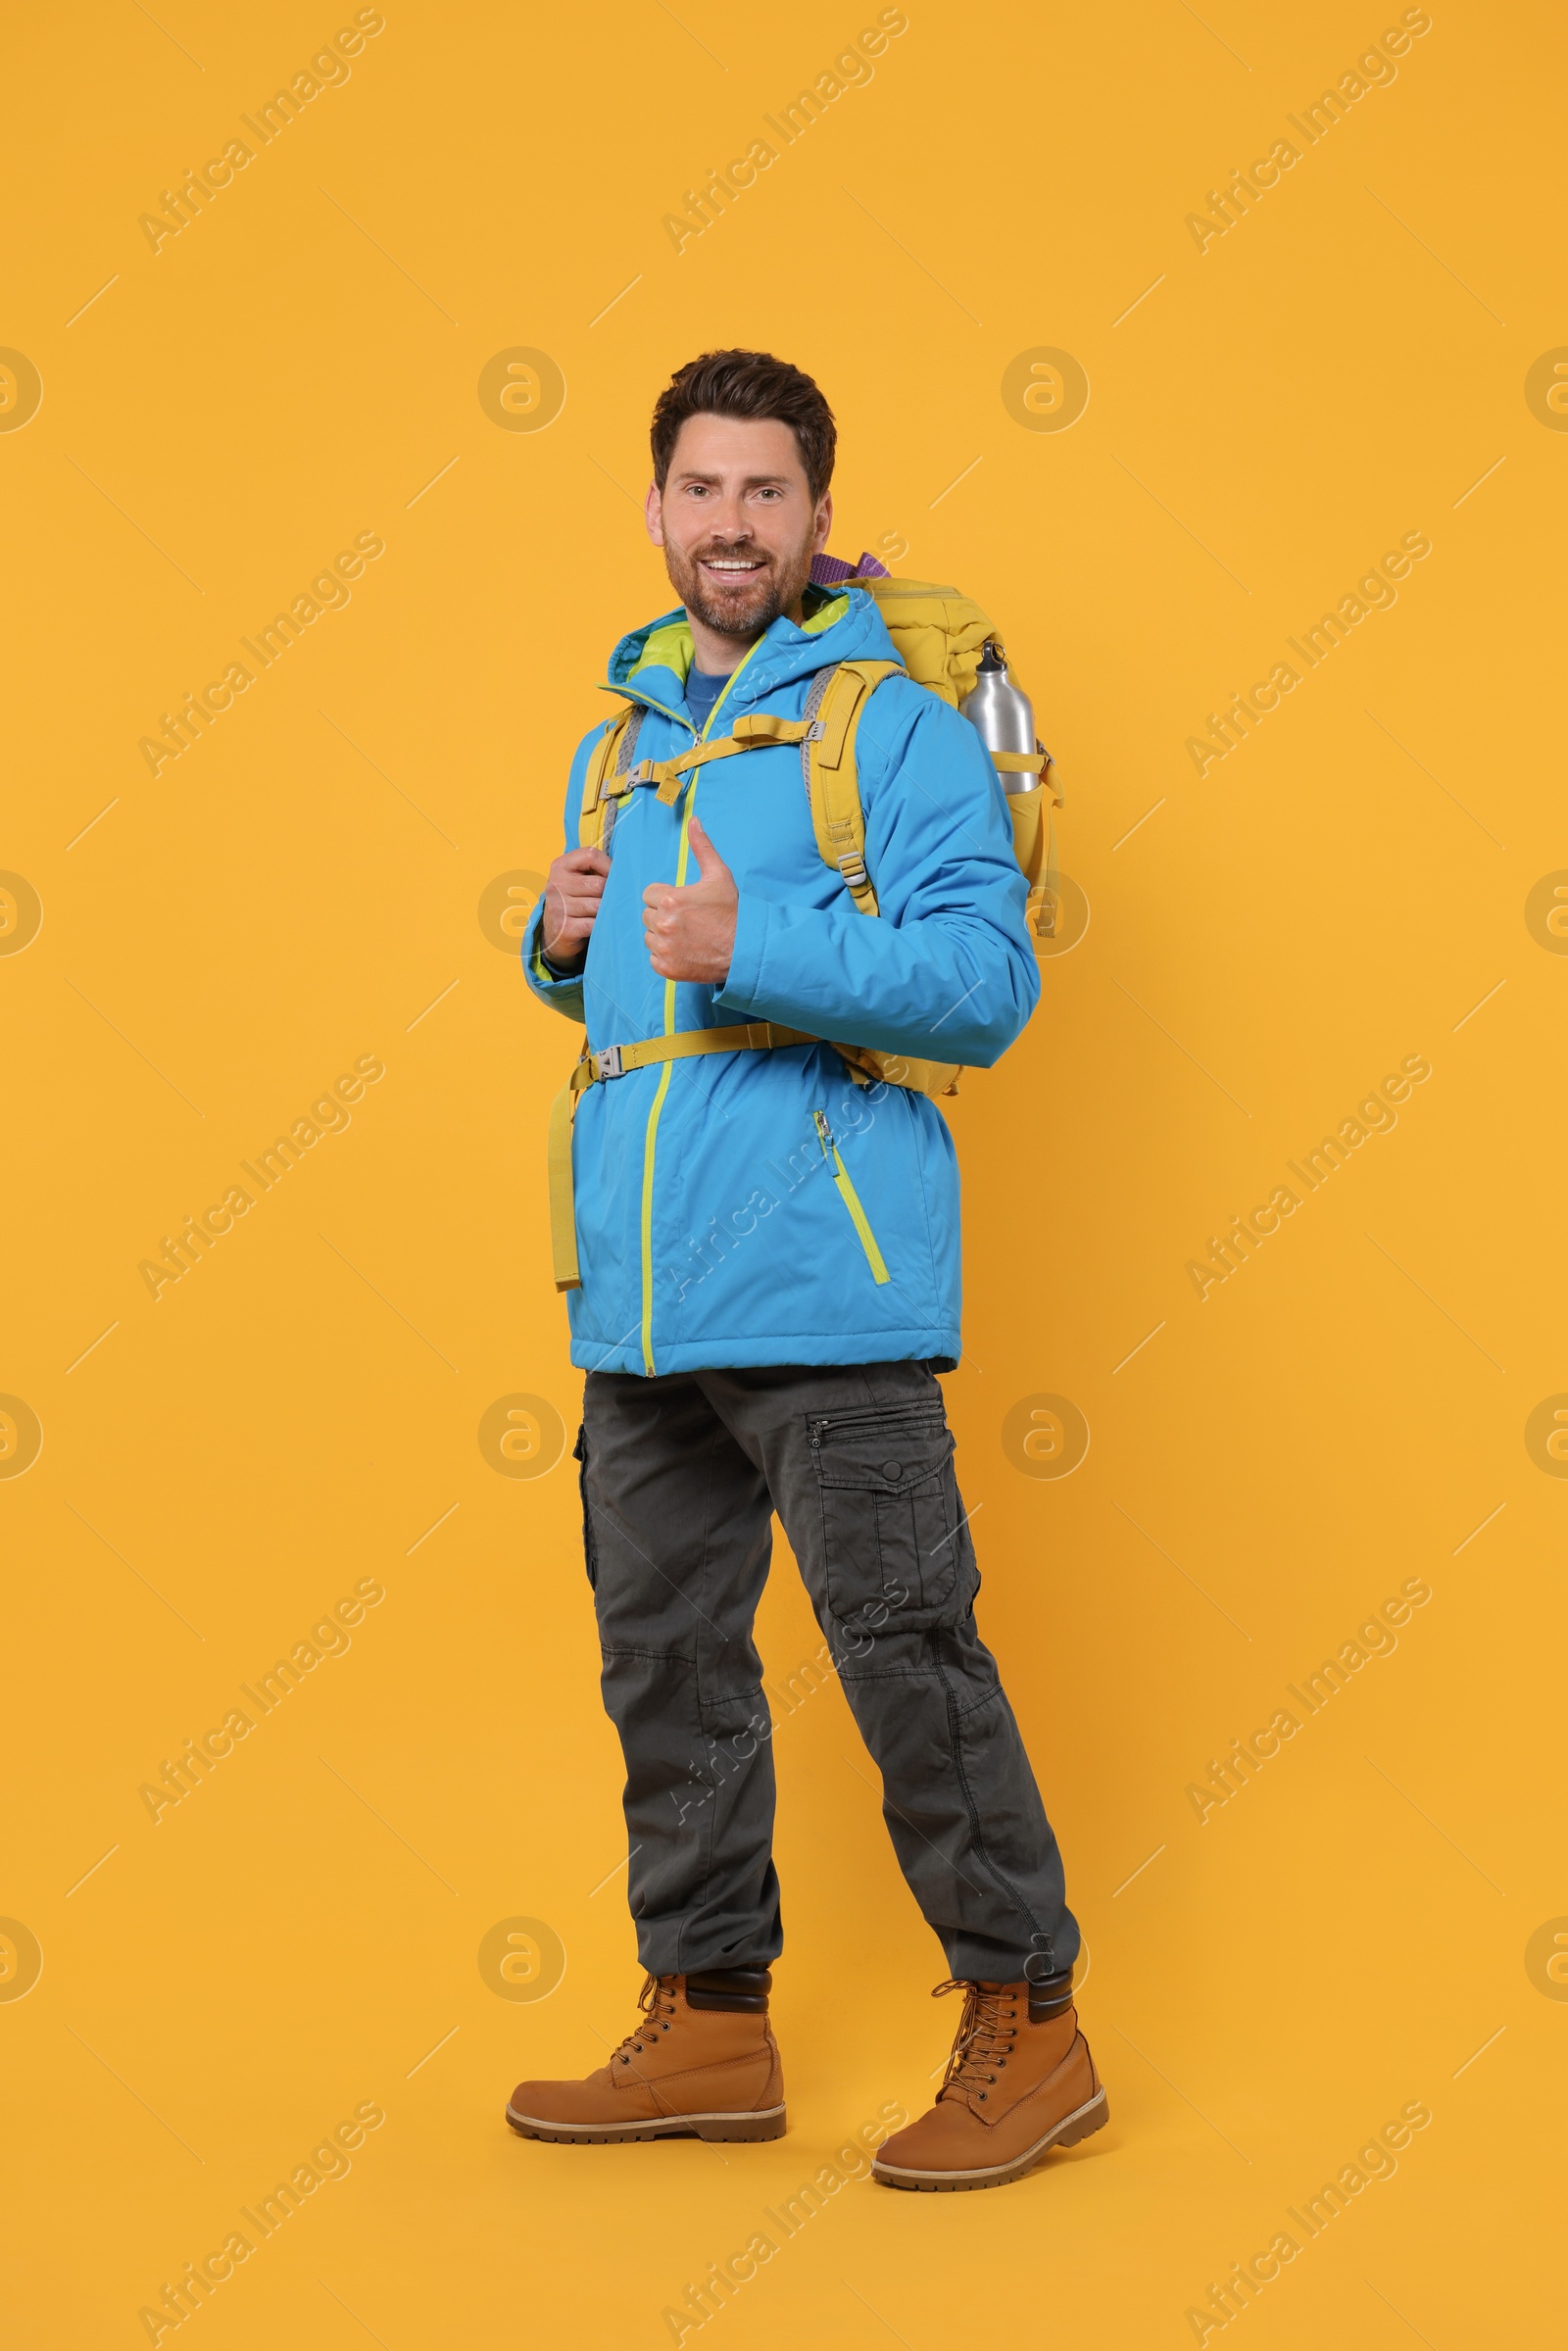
(940, 637)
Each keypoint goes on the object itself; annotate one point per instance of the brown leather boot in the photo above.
(703, 2063)
(1021, 2079)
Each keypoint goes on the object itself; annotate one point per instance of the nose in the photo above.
(729, 522)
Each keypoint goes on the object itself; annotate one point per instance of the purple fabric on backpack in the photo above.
(829, 570)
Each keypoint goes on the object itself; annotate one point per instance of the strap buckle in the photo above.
(853, 868)
(607, 1061)
(815, 731)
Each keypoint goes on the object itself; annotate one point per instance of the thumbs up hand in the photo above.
(691, 931)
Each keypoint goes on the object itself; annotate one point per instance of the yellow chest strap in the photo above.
(761, 730)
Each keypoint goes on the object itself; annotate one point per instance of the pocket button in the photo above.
(893, 1471)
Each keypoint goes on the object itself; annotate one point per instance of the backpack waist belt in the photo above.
(615, 1062)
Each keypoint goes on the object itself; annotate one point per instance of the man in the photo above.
(770, 1284)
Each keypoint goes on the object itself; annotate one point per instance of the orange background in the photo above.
(300, 1413)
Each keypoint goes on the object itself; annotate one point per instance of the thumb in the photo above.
(710, 865)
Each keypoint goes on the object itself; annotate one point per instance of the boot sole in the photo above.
(769, 2123)
(1080, 2123)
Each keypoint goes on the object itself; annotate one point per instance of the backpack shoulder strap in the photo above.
(835, 707)
(609, 760)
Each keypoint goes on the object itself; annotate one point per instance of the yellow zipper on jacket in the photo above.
(851, 1199)
(664, 1075)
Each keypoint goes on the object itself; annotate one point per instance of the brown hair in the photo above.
(747, 384)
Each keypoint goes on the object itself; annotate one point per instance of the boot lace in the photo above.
(985, 2034)
(656, 2000)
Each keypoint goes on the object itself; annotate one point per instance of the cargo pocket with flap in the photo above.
(891, 1516)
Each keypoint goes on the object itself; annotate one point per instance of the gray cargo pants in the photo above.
(681, 1477)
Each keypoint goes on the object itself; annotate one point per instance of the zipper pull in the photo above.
(824, 1133)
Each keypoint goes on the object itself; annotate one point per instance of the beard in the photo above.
(755, 599)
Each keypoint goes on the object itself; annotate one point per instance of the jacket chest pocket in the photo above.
(891, 1516)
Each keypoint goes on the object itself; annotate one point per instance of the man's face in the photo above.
(737, 522)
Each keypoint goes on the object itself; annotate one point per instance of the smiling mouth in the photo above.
(732, 567)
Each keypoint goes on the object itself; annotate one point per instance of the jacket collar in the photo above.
(652, 663)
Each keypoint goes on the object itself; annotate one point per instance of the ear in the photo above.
(653, 513)
(823, 524)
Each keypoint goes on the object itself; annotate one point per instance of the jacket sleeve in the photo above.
(560, 991)
(947, 971)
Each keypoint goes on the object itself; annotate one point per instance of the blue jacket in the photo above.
(712, 1229)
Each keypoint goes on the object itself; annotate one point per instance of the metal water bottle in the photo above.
(1004, 717)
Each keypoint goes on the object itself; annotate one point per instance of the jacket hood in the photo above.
(653, 661)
